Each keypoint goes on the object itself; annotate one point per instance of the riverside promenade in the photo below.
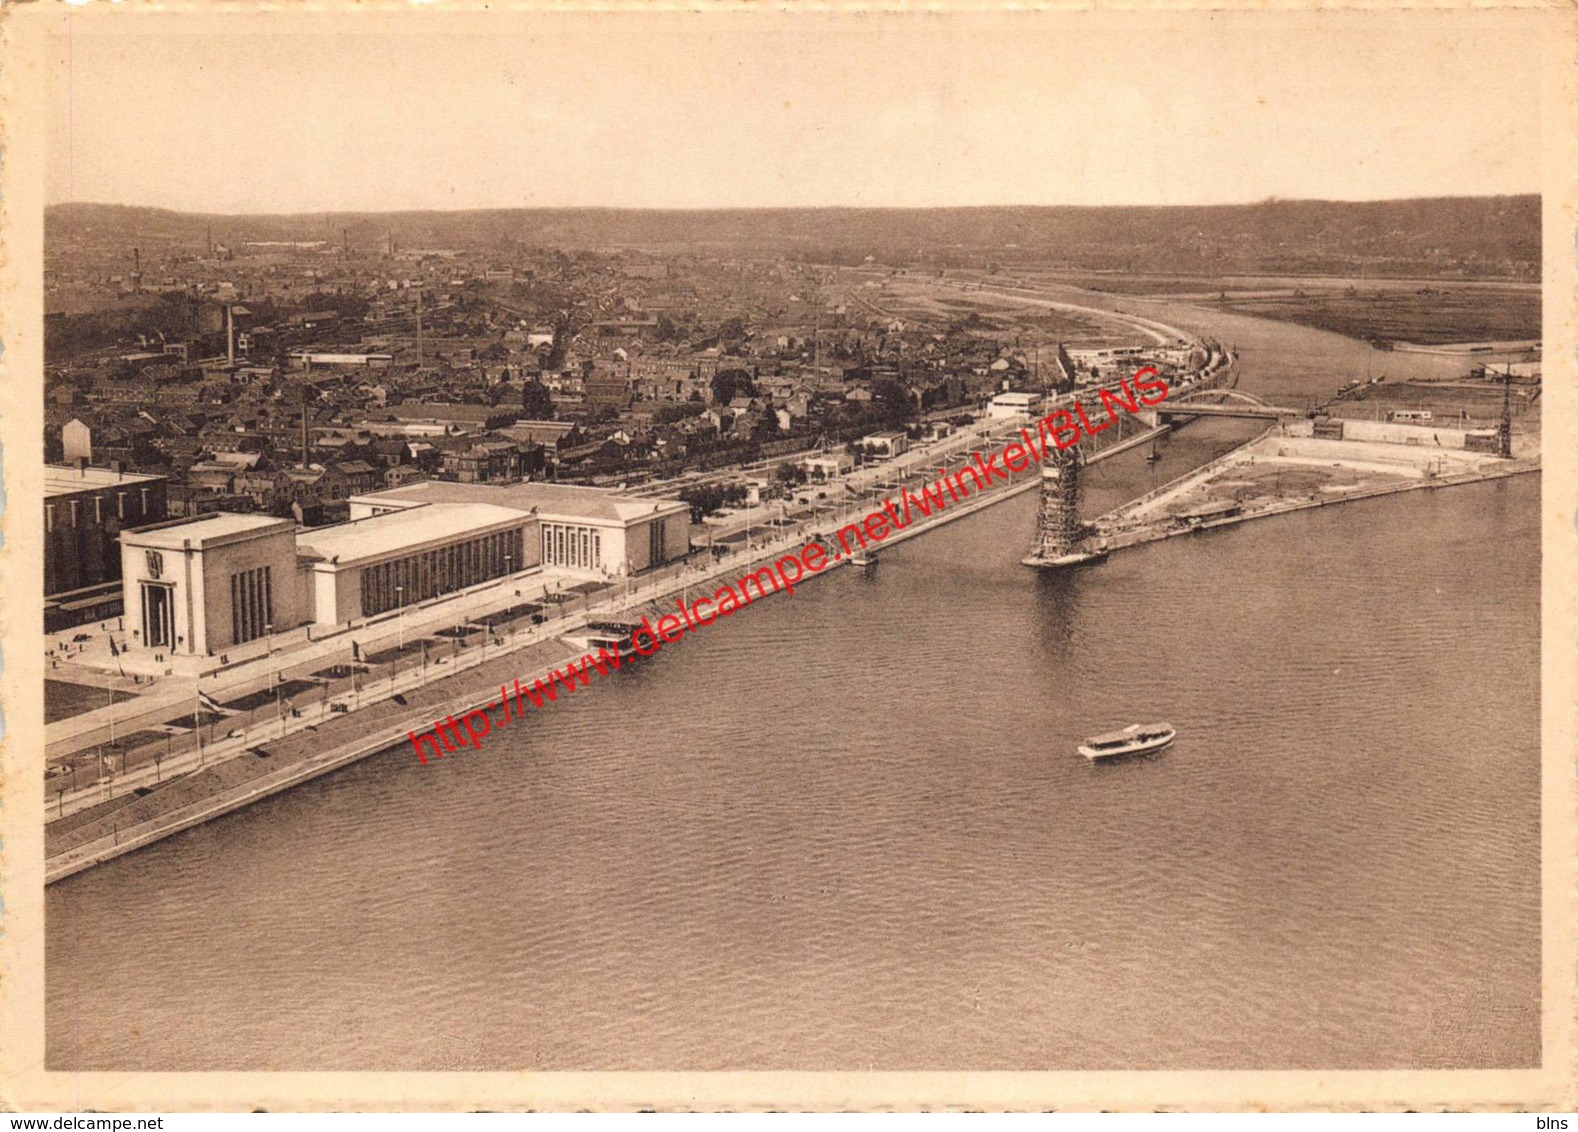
(352, 717)
(314, 706)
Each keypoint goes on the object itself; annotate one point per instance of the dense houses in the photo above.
(288, 378)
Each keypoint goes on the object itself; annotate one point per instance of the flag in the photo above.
(356, 652)
(113, 650)
(210, 704)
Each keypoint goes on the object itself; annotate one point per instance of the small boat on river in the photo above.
(1135, 739)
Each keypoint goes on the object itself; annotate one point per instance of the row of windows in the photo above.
(251, 603)
(417, 577)
(657, 542)
(578, 547)
(74, 509)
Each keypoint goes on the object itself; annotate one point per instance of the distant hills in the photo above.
(1450, 236)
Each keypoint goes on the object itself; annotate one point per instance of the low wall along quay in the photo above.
(1059, 429)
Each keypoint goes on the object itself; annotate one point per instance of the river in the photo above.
(849, 830)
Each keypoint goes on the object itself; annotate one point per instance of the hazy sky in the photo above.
(761, 109)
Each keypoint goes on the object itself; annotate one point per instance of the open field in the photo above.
(918, 299)
(1426, 313)
(1280, 481)
(1425, 316)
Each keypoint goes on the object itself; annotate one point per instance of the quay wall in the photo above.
(465, 691)
(1125, 540)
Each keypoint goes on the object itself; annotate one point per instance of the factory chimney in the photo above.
(1504, 433)
(136, 275)
(230, 333)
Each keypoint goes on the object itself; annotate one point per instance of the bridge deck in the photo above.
(1211, 409)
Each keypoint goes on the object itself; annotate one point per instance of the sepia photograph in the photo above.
(976, 548)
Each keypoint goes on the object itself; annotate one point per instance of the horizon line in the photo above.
(762, 208)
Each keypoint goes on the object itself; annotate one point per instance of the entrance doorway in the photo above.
(158, 616)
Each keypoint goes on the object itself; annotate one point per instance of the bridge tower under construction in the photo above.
(1059, 532)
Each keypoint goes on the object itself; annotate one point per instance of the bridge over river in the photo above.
(1222, 402)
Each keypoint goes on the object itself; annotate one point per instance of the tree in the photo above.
(561, 345)
(863, 453)
(727, 384)
(536, 401)
(703, 499)
(790, 475)
(892, 401)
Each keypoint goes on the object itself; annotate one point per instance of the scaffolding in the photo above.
(1059, 532)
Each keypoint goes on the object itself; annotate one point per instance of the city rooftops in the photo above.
(398, 532)
(203, 531)
(442, 412)
(550, 500)
(62, 479)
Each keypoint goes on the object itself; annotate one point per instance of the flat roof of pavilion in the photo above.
(553, 500)
(201, 531)
(407, 530)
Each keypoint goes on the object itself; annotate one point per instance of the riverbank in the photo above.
(1277, 473)
(200, 784)
(205, 784)
(779, 813)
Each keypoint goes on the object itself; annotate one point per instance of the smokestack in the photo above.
(419, 354)
(304, 428)
(345, 241)
(136, 278)
(210, 241)
(230, 333)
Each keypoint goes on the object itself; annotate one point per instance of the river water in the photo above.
(849, 830)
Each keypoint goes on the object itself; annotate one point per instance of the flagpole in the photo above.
(197, 723)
